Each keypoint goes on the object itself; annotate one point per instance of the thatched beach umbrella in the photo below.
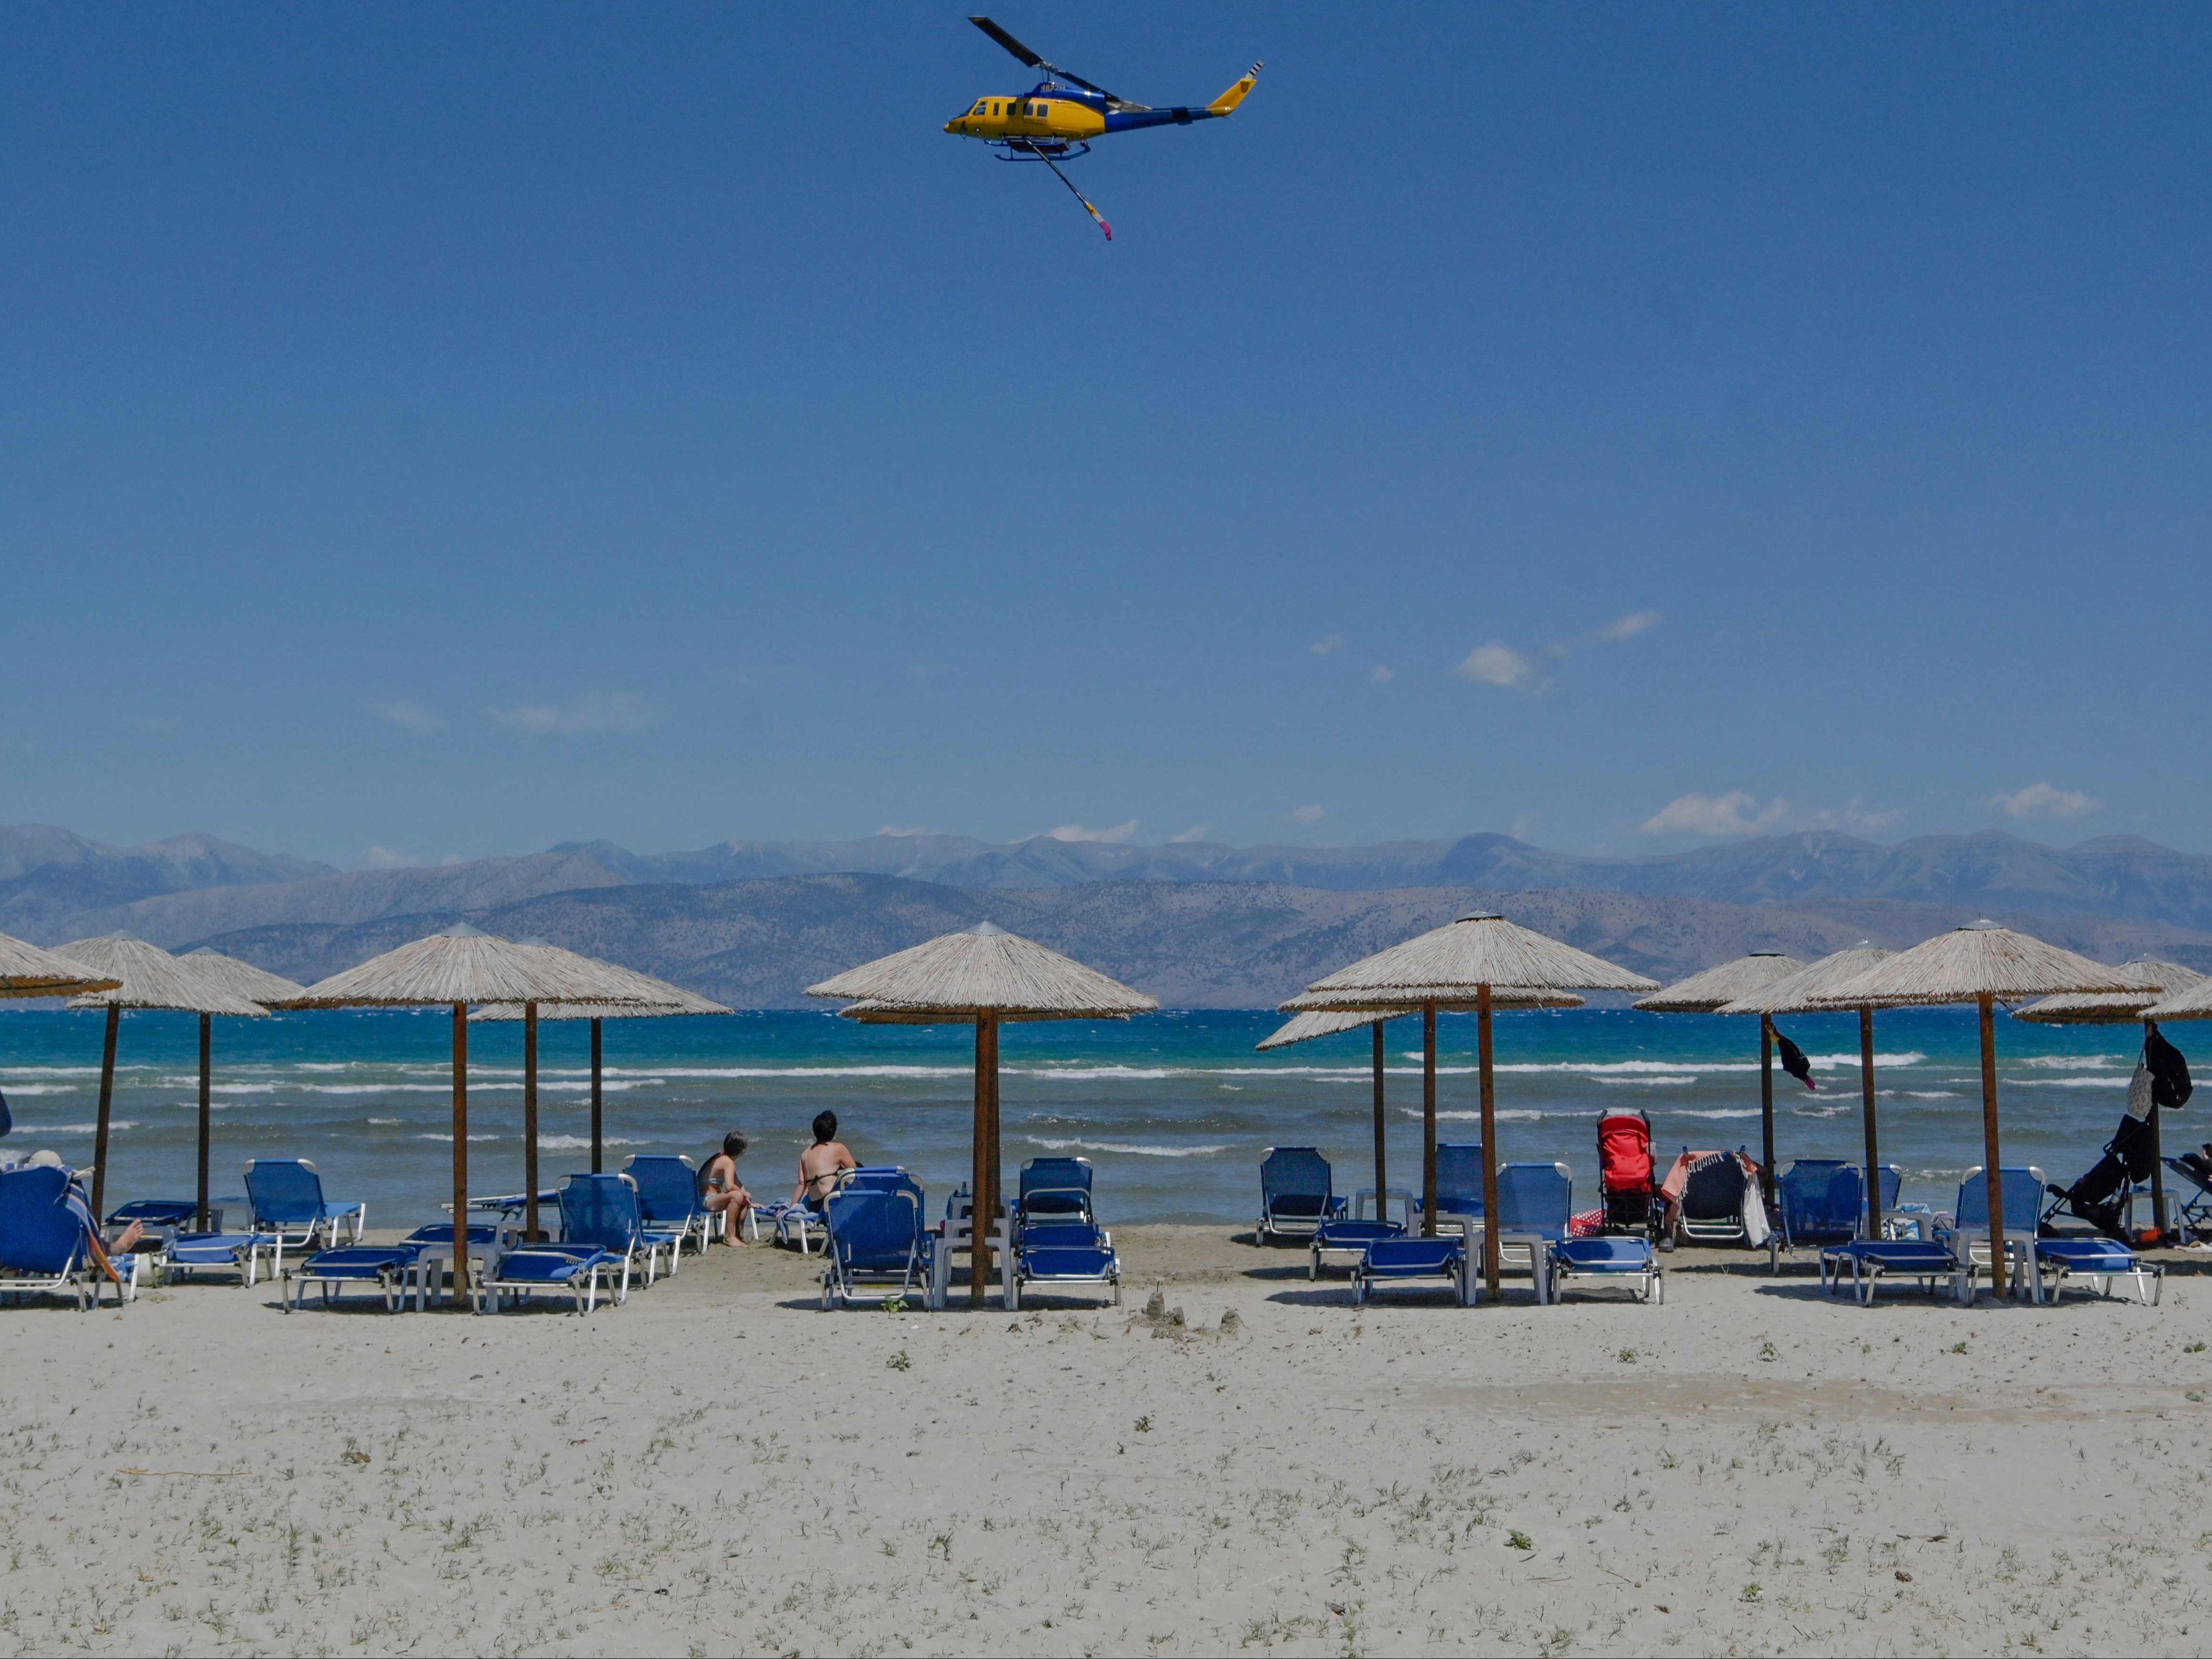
(27, 971)
(1983, 964)
(227, 973)
(1304, 1027)
(1801, 993)
(671, 1000)
(457, 967)
(988, 976)
(148, 976)
(2156, 982)
(1464, 964)
(1712, 990)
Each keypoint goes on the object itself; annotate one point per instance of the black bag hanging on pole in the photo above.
(2169, 1071)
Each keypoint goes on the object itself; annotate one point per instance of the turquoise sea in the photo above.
(1175, 1109)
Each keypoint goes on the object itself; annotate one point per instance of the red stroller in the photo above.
(1624, 1164)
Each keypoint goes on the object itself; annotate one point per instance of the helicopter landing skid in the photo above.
(1024, 149)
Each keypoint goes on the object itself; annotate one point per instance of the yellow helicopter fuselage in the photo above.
(996, 120)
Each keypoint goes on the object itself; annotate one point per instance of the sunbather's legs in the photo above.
(733, 1202)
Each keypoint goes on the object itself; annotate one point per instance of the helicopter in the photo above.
(1053, 122)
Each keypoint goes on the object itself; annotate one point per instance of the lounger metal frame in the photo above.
(384, 1266)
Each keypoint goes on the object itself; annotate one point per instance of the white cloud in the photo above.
(1731, 813)
(1322, 647)
(1496, 664)
(1381, 676)
(906, 829)
(1079, 832)
(2045, 801)
(407, 714)
(1307, 815)
(1628, 626)
(1195, 832)
(593, 711)
(386, 858)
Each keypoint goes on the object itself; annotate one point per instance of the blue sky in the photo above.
(450, 431)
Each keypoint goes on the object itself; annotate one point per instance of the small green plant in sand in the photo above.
(1517, 1539)
(899, 1361)
(1750, 1593)
(1626, 1356)
(2194, 1348)
(1769, 1352)
(1958, 1348)
(1145, 1424)
(895, 1304)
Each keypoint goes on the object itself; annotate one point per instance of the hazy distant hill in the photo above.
(1225, 918)
(55, 885)
(759, 943)
(49, 875)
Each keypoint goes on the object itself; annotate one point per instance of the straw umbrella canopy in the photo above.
(1983, 964)
(987, 975)
(148, 976)
(1464, 964)
(2155, 981)
(27, 971)
(1327, 1022)
(671, 1000)
(461, 965)
(1714, 990)
(1801, 993)
(227, 973)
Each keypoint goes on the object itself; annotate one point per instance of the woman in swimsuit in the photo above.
(725, 1192)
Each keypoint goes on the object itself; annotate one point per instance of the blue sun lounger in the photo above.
(573, 1270)
(1057, 1239)
(1818, 1202)
(1296, 1194)
(668, 1197)
(1350, 1236)
(189, 1254)
(1967, 1229)
(1863, 1263)
(2057, 1260)
(161, 1218)
(1391, 1262)
(46, 1238)
(1458, 1180)
(877, 1239)
(384, 1266)
(1622, 1258)
(286, 1195)
(603, 1210)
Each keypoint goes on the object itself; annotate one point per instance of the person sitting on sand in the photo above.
(725, 1193)
(821, 1164)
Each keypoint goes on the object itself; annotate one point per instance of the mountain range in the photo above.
(1197, 923)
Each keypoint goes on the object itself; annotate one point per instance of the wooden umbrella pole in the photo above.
(1767, 1105)
(1382, 1183)
(1429, 1120)
(1999, 1280)
(107, 1109)
(2157, 1161)
(530, 1122)
(598, 1098)
(995, 1200)
(1489, 1144)
(981, 1169)
(1866, 1109)
(207, 1110)
(460, 1149)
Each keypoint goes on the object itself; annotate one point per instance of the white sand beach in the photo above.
(718, 1468)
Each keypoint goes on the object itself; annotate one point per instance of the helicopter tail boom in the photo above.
(1229, 100)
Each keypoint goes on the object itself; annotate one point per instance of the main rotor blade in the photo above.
(1024, 54)
(1009, 43)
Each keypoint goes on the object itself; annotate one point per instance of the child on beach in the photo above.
(821, 1164)
(725, 1192)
